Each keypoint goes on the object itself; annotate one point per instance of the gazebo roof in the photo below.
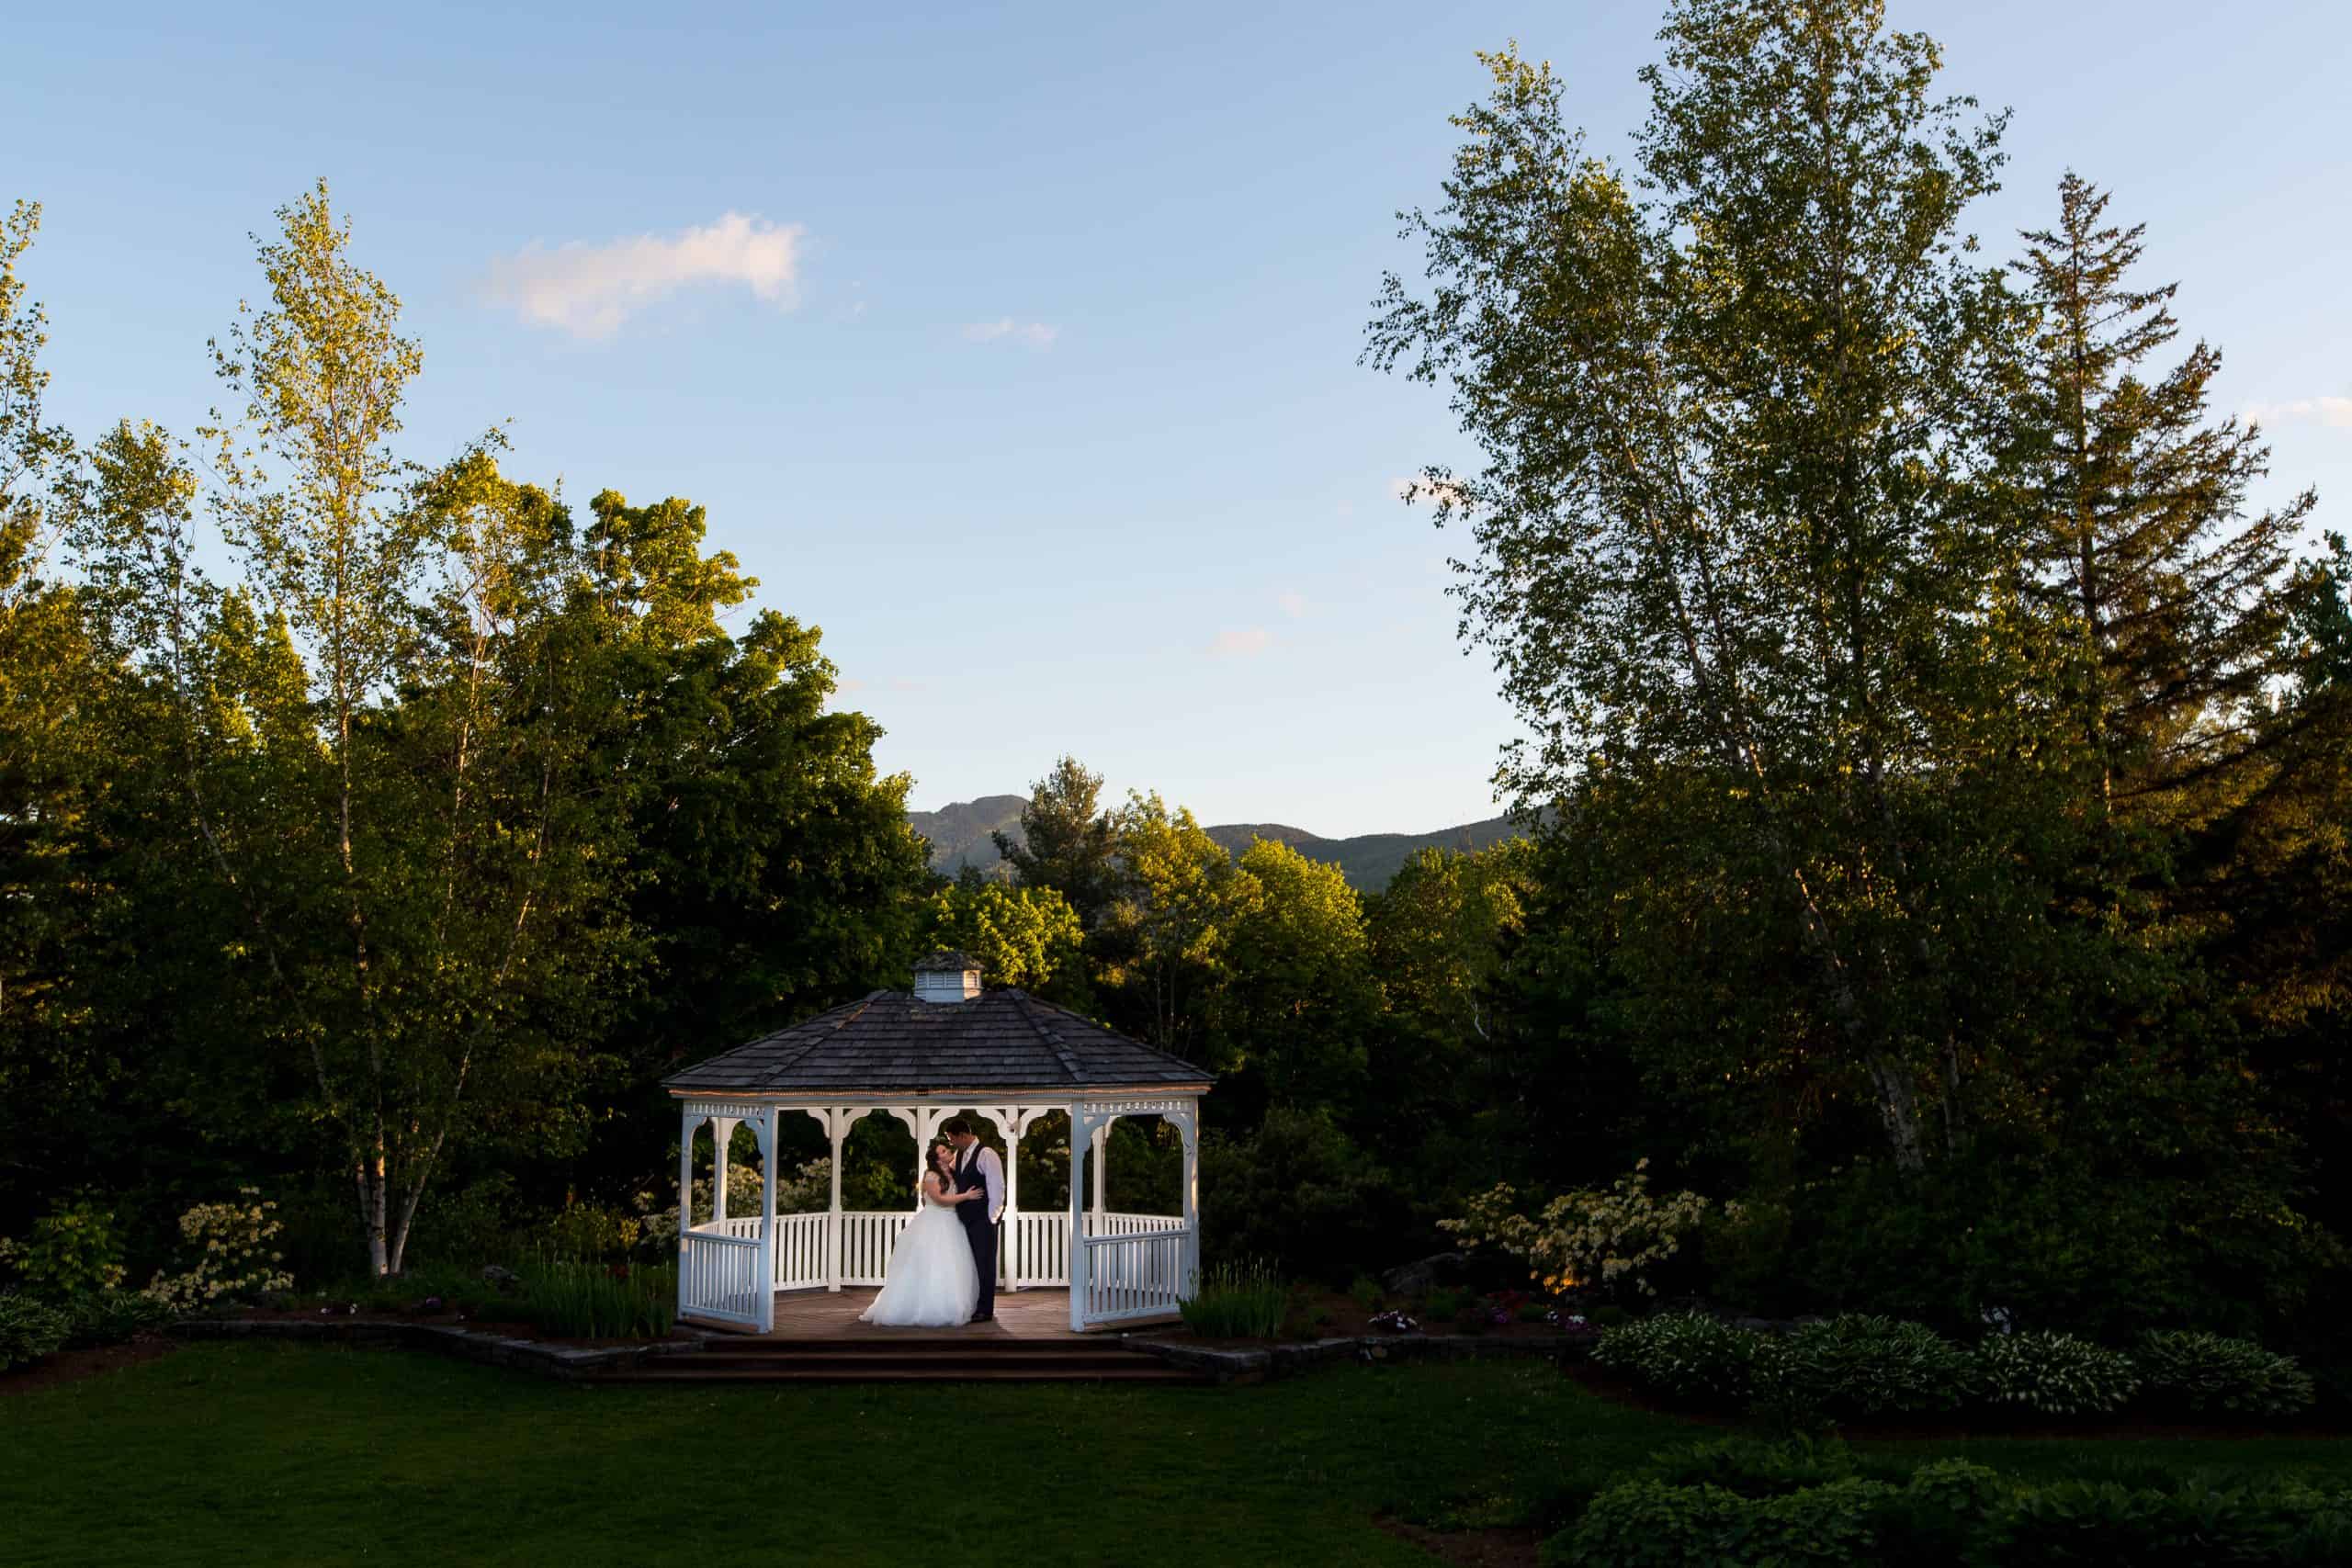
(891, 1043)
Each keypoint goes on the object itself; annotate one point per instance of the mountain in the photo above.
(959, 837)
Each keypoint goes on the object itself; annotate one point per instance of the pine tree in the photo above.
(1066, 842)
(2173, 599)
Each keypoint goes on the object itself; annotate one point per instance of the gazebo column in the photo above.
(688, 1121)
(769, 1126)
(1188, 1128)
(837, 1124)
(1083, 1126)
(1102, 1141)
(722, 1132)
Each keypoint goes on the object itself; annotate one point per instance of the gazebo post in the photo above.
(1011, 1258)
(1102, 1141)
(722, 1132)
(1081, 1137)
(771, 1125)
(687, 1123)
(837, 1122)
(1188, 1126)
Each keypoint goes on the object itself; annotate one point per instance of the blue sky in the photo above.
(1026, 366)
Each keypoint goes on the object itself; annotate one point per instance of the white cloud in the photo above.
(1004, 329)
(2336, 412)
(1241, 642)
(1293, 603)
(1422, 491)
(588, 290)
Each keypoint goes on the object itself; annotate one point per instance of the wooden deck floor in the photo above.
(828, 1315)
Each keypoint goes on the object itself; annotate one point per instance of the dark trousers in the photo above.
(983, 1239)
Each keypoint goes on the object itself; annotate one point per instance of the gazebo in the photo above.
(946, 1047)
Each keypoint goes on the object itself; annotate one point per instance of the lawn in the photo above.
(260, 1454)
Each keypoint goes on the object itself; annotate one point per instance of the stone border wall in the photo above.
(446, 1339)
(1288, 1360)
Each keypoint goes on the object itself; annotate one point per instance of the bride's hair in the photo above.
(931, 1166)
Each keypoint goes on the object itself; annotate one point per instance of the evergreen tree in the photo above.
(1066, 841)
(2171, 597)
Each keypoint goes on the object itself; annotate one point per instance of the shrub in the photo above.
(1300, 1192)
(1365, 1292)
(234, 1258)
(1443, 1305)
(1690, 1356)
(2076, 1522)
(2054, 1374)
(1606, 1240)
(29, 1330)
(74, 1249)
(1238, 1300)
(2197, 1372)
(1650, 1524)
(1748, 1468)
(109, 1317)
(588, 1299)
(1859, 1365)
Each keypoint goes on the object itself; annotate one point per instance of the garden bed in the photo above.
(71, 1366)
(491, 1345)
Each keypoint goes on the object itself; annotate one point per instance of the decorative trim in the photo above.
(740, 1110)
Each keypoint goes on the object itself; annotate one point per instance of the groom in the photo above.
(977, 1167)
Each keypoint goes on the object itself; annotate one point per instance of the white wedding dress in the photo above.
(933, 1283)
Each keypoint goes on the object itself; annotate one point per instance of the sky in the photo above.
(1016, 346)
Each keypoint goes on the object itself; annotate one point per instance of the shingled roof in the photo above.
(890, 1043)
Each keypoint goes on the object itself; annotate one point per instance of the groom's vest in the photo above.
(970, 1178)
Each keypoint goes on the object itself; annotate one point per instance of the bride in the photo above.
(933, 1283)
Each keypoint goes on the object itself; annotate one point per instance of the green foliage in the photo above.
(1748, 1468)
(1298, 1190)
(29, 1328)
(2198, 1372)
(1025, 936)
(1864, 1366)
(1367, 1292)
(2054, 1375)
(2079, 1522)
(1690, 1356)
(1648, 1524)
(109, 1317)
(74, 1250)
(586, 1298)
(1238, 1300)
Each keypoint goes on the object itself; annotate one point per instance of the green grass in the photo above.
(286, 1454)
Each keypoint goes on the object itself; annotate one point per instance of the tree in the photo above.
(1066, 840)
(1732, 524)
(1027, 937)
(1298, 1010)
(1161, 948)
(2170, 596)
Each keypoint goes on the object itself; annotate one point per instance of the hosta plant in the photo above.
(1863, 1365)
(2199, 1372)
(2054, 1375)
(29, 1330)
(1690, 1356)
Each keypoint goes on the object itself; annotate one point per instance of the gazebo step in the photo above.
(994, 1360)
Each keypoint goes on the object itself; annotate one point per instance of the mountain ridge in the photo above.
(959, 835)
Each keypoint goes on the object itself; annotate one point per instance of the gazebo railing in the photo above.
(1136, 1261)
(719, 1276)
(1137, 1275)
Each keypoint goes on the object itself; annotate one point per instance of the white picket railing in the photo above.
(1138, 1275)
(803, 1254)
(1136, 1261)
(719, 1276)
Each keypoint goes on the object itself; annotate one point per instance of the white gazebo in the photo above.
(945, 1048)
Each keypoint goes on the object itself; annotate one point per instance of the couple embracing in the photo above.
(943, 1271)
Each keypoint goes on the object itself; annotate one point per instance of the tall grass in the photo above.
(581, 1298)
(1239, 1300)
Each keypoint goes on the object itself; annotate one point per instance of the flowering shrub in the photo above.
(230, 1244)
(2055, 1374)
(74, 1250)
(1608, 1240)
(2204, 1371)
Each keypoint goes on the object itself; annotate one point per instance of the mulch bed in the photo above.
(1469, 1549)
(72, 1366)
